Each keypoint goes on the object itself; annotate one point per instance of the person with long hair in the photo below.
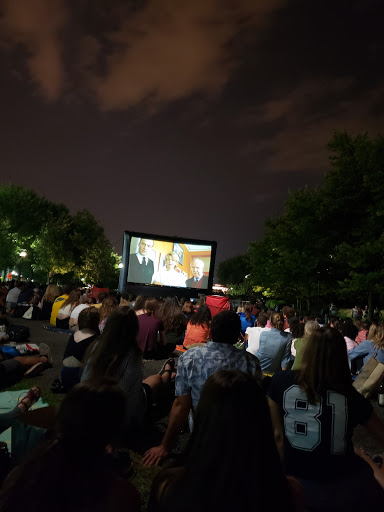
(174, 322)
(151, 338)
(231, 461)
(274, 351)
(246, 317)
(76, 468)
(198, 328)
(138, 307)
(374, 344)
(188, 309)
(108, 305)
(62, 319)
(116, 354)
(77, 345)
(309, 328)
(49, 297)
(314, 411)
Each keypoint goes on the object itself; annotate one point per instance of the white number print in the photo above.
(301, 420)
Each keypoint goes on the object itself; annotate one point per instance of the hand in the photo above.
(154, 456)
(377, 470)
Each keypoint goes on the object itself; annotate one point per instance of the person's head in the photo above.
(232, 402)
(277, 321)
(248, 310)
(151, 307)
(108, 305)
(79, 422)
(139, 303)
(262, 320)
(378, 338)
(324, 365)
(372, 332)
(171, 260)
(310, 327)
(197, 268)
(296, 328)
(349, 329)
(119, 339)
(51, 293)
(225, 327)
(145, 246)
(358, 323)
(101, 296)
(287, 311)
(171, 315)
(73, 298)
(188, 308)
(202, 316)
(89, 319)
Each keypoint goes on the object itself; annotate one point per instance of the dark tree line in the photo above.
(329, 241)
(56, 244)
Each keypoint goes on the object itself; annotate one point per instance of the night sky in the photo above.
(191, 118)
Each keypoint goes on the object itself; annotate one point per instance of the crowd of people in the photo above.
(267, 396)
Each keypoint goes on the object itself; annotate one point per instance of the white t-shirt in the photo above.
(66, 310)
(254, 338)
(13, 295)
(78, 309)
(169, 278)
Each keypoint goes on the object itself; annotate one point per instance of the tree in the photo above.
(233, 271)
(55, 242)
(356, 180)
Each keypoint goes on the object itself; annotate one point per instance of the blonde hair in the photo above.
(51, 293)
(310, 327)
(172, 255)
(378, 338)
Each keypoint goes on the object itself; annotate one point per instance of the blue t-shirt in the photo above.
(246, 323)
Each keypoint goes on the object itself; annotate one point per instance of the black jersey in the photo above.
(318, 438)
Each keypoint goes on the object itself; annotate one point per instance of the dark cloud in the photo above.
(184, 117)
(160, 52)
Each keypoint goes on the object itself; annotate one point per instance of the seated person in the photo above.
(252, 334)
(77, 466)
(116, 354)
(27, 295)
(13, 296)
(170, 275)
(108, 305)
(64, 313)
(49, 297)
(363, 328)
(14, 369)
(74, 318)
(151, 330)
(198, 328)
(214, 482)
(246, 318)
(78, 343)
(274, 351)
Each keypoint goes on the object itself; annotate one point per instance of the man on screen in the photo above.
(198, 279)
(141, 268)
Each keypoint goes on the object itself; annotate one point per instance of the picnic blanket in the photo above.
(20, 438)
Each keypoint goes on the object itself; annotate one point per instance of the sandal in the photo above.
(171, 363)
(30, 398)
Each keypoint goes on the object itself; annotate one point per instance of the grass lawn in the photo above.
(142, 477)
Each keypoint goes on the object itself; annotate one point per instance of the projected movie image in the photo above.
(165, 263)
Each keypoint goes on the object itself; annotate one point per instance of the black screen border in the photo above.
(163, 291)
